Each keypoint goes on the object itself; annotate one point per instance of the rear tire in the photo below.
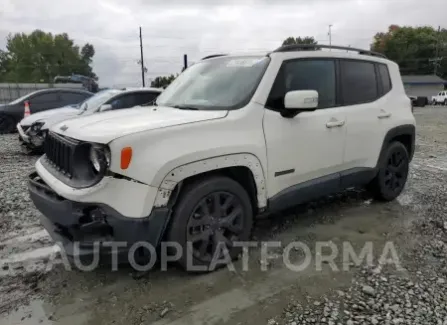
(209, 211)
(393, 173)
(445, 102)
(6, 124)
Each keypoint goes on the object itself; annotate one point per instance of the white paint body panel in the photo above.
(170, 144)
(131, 199)
(64, 112)
(107, 126)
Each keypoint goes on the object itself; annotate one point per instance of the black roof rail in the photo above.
(301, 47)
(212, 56)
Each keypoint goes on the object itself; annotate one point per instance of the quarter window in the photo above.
(385, 80)
(358, 82)
(305, 74)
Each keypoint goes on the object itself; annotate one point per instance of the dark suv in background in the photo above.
(41, 100)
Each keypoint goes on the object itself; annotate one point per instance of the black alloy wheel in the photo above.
(217, 218)
(396, 171)
(392, 174)
(209, 216)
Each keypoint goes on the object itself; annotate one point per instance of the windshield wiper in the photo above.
(185, 107)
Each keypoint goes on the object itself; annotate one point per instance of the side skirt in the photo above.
(319, 187)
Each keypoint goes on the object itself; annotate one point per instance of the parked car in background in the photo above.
(440, 98)
(230, 137)
(39, 101)
(33, 129)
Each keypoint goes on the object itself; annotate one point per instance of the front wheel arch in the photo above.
(245, 168)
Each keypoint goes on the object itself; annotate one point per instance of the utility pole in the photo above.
(437, 59)
(330, 36)
(141, 59)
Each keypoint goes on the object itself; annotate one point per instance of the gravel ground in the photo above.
(373, 295)
(416, 295)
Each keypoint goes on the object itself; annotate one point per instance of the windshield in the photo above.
(94, 102)
(222, 83)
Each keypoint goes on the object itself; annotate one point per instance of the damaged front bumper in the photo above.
(80, 227)
(32, 140)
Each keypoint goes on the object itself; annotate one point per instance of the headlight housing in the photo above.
(91, 162)
(100, 157)
(36, 126)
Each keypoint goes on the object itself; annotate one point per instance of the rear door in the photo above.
(366, 105)
(44, 101)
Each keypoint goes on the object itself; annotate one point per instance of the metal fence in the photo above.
(11, 91)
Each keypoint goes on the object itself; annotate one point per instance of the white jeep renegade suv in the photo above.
(232, 136)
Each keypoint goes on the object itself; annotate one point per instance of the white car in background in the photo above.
(440, 98)
(33, 129)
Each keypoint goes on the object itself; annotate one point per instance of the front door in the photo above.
(305, 153)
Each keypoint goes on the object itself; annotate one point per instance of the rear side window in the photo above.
(385, 80)
(304, 74)
(45, 98)
(358, 82)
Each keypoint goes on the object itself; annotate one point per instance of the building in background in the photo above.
(423, 85)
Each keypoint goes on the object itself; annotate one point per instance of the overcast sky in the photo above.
(172, 28)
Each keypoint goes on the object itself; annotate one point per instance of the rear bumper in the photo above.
(80, 228)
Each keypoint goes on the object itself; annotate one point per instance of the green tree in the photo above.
(300, 41)
(40, 56)
(162, 81)
(414, 48)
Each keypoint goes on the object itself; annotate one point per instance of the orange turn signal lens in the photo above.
(126, 157)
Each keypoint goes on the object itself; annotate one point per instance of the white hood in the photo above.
(107, 126)
(66, 112)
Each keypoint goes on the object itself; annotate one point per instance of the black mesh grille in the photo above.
(59, 152)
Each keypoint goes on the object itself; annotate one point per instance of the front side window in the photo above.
(216, 84)
(144, 98)
(358, 82)
(305, 74)
(93, 103)
(123, 101)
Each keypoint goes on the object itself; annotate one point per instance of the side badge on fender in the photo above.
(63, 128)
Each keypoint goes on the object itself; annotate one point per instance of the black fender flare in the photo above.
(401, 130)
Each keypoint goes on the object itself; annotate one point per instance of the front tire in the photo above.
(210, 215)
(393, 173)
(6, 124)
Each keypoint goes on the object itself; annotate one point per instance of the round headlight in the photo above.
(37, 126)
(95, 158)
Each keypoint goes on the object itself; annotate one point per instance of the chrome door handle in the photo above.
(334, 124)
